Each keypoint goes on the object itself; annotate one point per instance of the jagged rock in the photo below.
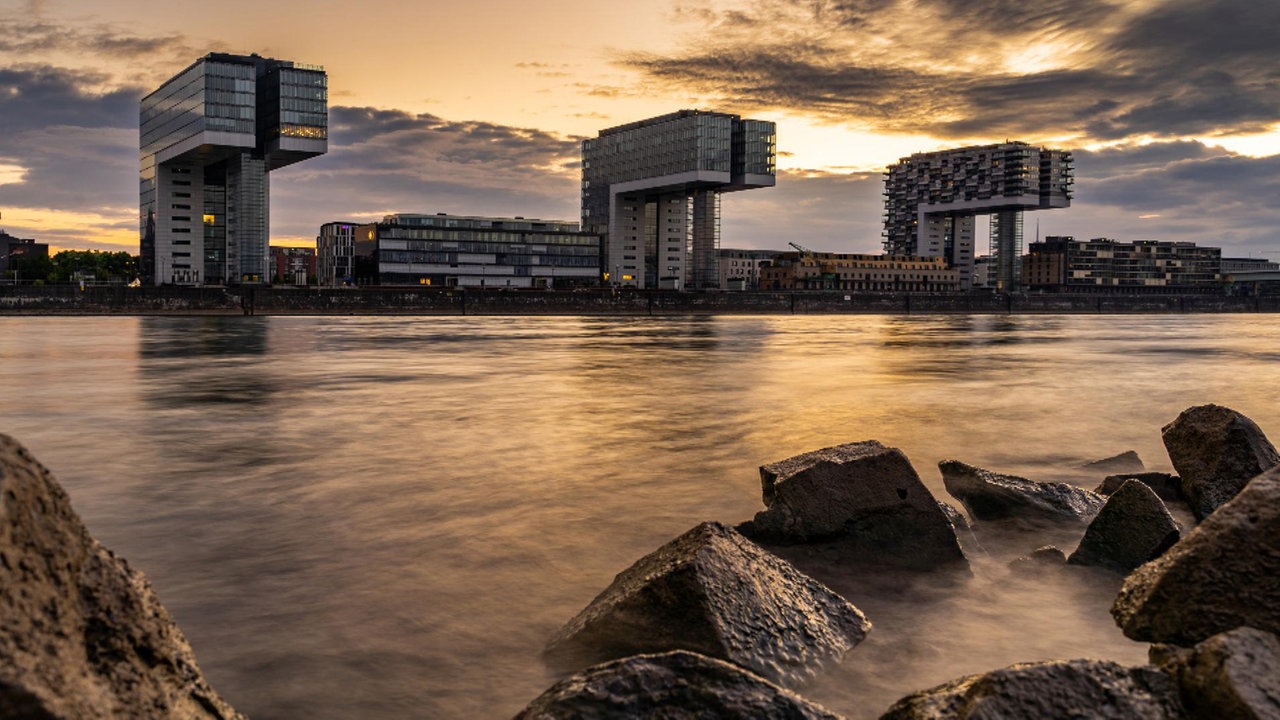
(1040, 559)
(1134, 527)
(1168, 487)
(864, 495)
(676, 685)
(1069, 690)
(1224, 574)
(957, 518)
(992, 496)
(1217, 451)
(1232, 675)
(714, 592)
(82, 635)
(1125, 462)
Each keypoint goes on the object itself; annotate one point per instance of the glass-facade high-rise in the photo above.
(652, 188)
(207, 140)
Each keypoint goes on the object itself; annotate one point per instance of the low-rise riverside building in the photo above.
(13, 250)
(293, 265)
(859, 273)
(445, 250)
(1064, 264)
(740, 269)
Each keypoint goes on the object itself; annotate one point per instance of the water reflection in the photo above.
(387, 517)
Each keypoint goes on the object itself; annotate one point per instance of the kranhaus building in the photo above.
(932, 200)
(652, 189)
(208, 139)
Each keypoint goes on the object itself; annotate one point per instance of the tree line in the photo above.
(74, 265)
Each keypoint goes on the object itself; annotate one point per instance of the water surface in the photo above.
(387, 517)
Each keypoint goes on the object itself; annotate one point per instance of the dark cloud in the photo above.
(37, 96)
(382, 161)
(954, 68)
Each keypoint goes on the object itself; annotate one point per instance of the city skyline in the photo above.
(495, 128)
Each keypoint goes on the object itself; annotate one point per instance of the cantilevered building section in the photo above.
(932, 199)
(652, 188)
(208, 138)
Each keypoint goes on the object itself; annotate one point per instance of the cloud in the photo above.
(38, 96)
(824, 211)
(382, 161)
(1090, 69)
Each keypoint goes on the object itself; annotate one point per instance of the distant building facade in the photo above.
(209, 136)
(1064, 264)
(740, 269)
(652, 190)
(858, 273)
(13, 250)
(932, 200)
(984, 273)
(463, 251)
(293, 265)
(335, 254)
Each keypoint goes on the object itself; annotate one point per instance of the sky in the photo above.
(479, 107)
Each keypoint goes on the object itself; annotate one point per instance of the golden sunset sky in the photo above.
(1171, 106)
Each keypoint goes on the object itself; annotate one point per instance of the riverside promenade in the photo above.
(121, 300)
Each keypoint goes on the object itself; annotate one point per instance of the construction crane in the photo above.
(801, 248)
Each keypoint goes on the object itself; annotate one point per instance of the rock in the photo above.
(1043, 691)
(677, 685)
(1217, 451)
(82, 635)
(1040, 559)
(714, 592)
(1134, 527)
(1224, 574)
(957, 518)
(1125, 462)
(992, 496)
(1232, 675)
(866, 496)
(1167, 487)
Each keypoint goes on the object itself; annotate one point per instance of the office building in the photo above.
(485, 252)
(335, 254)
(293, 265)
(740, 269)
(932, 200)
(858, 273)
(652, 190)
(1064, 264)
(208, 139)
(14, 250)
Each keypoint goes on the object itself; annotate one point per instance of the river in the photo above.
(387, 517)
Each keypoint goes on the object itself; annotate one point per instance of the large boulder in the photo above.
(677, 685)
(82, 635)
(1125, 462)
(1232, 675)
(863, 495)
(989, 495)
(1168, 487)
(1224, 574)
(1068, 690)
(1134, 527)
(1217, 451)
(712, 591)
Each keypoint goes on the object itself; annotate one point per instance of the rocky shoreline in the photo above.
(735, 621)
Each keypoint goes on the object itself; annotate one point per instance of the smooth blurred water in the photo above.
(388, 517)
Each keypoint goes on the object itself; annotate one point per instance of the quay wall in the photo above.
(421, 301)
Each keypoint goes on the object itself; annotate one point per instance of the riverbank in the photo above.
(120, 300)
